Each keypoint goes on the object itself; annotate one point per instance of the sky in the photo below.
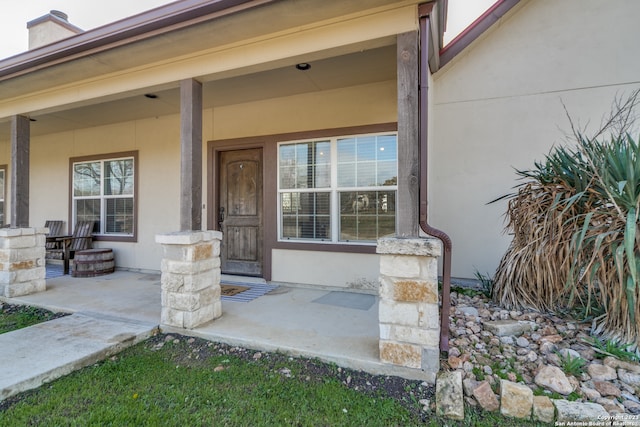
(89, 14)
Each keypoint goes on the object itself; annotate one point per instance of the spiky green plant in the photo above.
(576, 234)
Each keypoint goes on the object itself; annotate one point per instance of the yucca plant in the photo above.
(576, 232)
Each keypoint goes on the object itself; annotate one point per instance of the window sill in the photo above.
(364, 248)
(106, 238)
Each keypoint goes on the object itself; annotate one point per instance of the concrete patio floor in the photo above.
(327, 324)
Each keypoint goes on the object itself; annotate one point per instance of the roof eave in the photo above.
(157, 21)
(476, 29)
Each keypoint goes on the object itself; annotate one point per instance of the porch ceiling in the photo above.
(361, 67)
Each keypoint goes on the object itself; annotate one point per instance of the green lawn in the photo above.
(178, 381)
(14, 317)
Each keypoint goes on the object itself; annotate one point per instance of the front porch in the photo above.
(338, 327)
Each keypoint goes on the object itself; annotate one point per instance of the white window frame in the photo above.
(334, 190)
(102, 234)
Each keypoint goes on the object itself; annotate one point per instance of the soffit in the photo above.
(334, 72)
(259, 21)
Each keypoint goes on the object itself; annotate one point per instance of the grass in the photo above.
(572, 365)
(611, 348)
(178, 382)
(14, 317)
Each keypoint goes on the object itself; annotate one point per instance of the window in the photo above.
(339, 189)
(104, 191)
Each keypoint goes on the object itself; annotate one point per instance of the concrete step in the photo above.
(44, 352)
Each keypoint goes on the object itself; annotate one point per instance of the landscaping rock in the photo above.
(543, 409)
(449, 397)
(590, 393)
(516, 400)
(577, 411)
(552, 378)
(485, 397)
(631, 406)
(607, 389)
(601, 372)
(617, 363)
(482, 352)
(468, 311)
(507, 327)
(631, 378)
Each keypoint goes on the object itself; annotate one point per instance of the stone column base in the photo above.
(22, 261)
(408, 311)
(190, 278)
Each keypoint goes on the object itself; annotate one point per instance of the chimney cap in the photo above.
(60, 14)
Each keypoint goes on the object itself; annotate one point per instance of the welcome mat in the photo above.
(347, 300)
(246, 291)
(54, 270)
(231, 290)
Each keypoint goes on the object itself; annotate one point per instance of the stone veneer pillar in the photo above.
(22, 261)
(408, 312)
(190, 278)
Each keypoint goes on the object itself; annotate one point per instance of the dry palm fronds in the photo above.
(576, 235)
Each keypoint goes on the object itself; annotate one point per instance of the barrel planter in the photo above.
(93, 262)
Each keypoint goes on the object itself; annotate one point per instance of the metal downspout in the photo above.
(424, 225)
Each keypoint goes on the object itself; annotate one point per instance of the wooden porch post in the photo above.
(20, 141)
(190, 155)
(408, 134)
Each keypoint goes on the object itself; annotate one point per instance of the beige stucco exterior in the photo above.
(499, 106)
(157, 141)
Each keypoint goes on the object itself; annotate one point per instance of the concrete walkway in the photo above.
(120, 309)
(41, 353)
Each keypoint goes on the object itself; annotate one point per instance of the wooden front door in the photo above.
(240, 211)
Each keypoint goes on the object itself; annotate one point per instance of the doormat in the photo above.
(251, 292)
(53, 271)
(231, 290)
(347, 300)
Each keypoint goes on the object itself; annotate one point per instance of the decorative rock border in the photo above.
(506, 357)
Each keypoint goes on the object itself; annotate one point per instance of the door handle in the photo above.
(220, 216)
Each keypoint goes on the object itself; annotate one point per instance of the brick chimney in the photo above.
(50, 28)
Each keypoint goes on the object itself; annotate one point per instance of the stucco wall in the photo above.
(498, 106)
(334, 269)
(157, 141)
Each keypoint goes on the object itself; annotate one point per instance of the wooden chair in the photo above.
(55, 230)
(81, 239)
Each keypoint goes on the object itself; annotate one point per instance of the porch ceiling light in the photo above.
(303, 66)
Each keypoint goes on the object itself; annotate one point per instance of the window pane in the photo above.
(369, 161)
(86, 179)
(387, 148)
(119, 216)
(366, 216)
(387, 173)
(347, 174)
(118, 177)
(366, 173)
(305, 216)
(88, 210)
(366, 148)
(305, 165)
(322, 159)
